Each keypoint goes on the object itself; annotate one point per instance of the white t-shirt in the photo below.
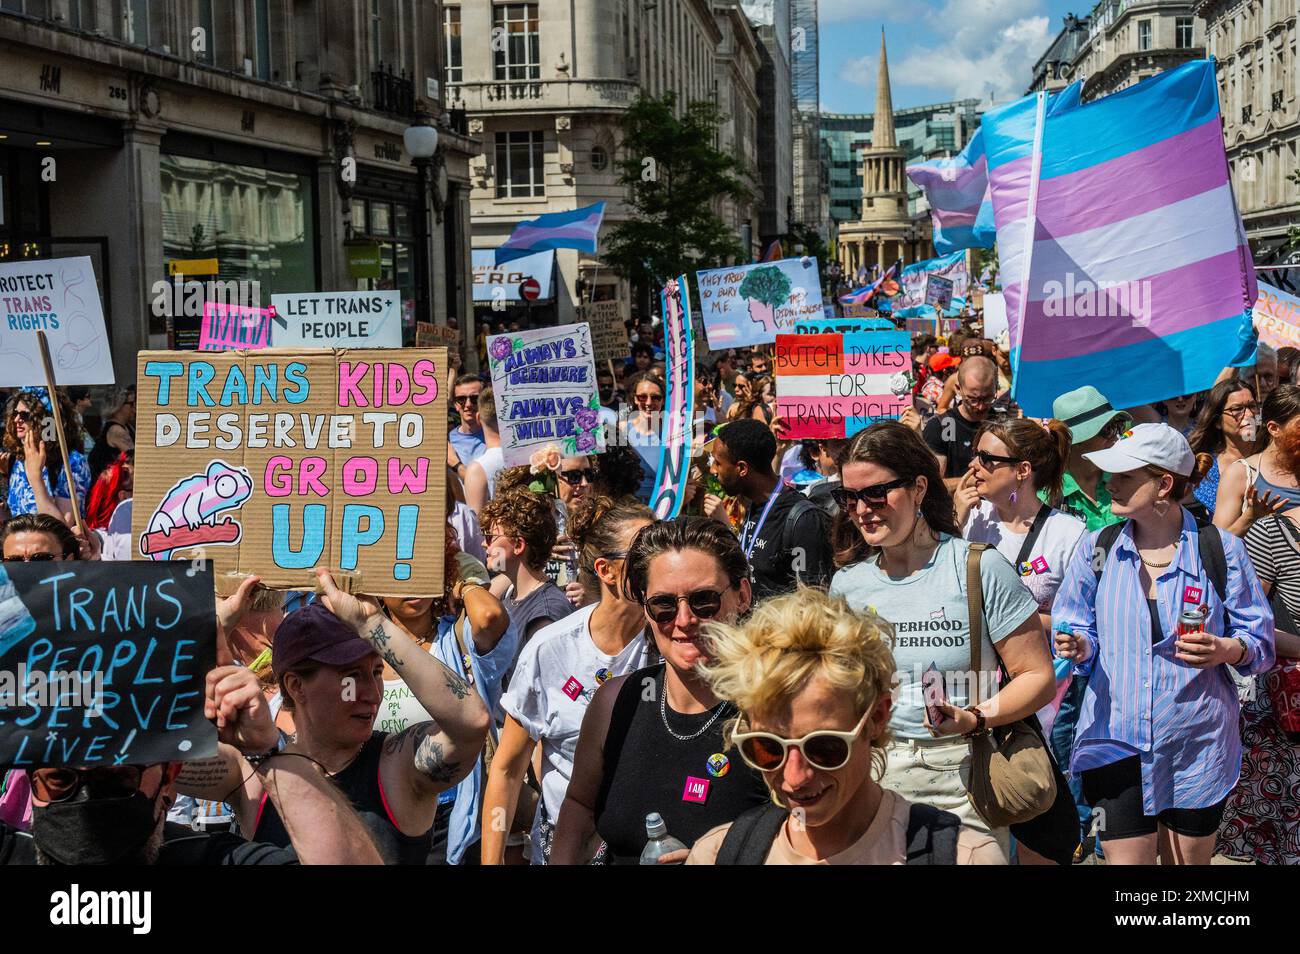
(469, 534)
(1045, 565)
(557, 674)
(493, 462)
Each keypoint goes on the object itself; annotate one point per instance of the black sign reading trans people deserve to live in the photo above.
(104, 663)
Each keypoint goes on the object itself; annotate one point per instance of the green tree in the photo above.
(673, 175)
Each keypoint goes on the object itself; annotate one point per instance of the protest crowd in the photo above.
(659, 623)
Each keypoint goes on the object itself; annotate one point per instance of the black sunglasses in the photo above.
(987, 460)
(23, 416)
(875, 496)
(111, 781)
(31, 558)
(704, 604)
(575, 477)
(465, 399)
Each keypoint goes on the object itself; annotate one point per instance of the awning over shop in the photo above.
(488, 276)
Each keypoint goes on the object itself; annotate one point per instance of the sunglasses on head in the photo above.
(824, 749)
(112, 781)
(31, 558)
(704, 604)
(876, 496)
(575, 477)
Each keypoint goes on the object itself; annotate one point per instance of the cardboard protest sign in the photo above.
(104, 663)
(275, 462)
(916, 279)
(58, 296)
(608, 333)
(429, 335)
(675, 436)
(932, 325)
(938, 291)
(231, 327)
(544, 383)
(751, 304)
(995, 315)
(355, 319)
(836, 385)
(1279, 317)
(839, 326)
(862, 311)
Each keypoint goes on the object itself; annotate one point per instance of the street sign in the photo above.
(530, 289)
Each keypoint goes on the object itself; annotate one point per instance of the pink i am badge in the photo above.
(697, 789)
(572, 689)
(1039, 565)
(1192, 594)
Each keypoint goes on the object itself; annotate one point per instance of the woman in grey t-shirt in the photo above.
(902, 555)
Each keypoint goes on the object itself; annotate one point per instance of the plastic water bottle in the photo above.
(660, 843)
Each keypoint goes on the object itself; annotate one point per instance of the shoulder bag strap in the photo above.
(931, 836)
(1035, 531)
(975, 610)
(750, 837)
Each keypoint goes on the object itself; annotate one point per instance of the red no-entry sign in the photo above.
(530, 289)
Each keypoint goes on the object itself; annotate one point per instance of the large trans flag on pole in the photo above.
(957, 189)
(1124, 260)
(577, 229)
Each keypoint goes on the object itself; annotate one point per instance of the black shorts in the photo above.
(1116, 791)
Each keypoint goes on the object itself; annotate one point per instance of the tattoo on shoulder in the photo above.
(455, 683)
(378, 638)
(396, 740)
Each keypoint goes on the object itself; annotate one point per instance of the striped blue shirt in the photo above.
(1181, 722)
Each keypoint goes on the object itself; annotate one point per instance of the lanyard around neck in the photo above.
(748, 548)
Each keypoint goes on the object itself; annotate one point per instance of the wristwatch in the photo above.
(980, 727)
(1245, 651)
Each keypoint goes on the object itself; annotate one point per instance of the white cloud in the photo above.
(840, 11)
(860, 71)
(996, 59)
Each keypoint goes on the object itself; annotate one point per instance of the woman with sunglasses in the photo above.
(901, 552)
(1158, 743)
(1015, 462)
(574, 482)
(641, 429)
(811, 680)
(652, 740)
(1267, 482)
(559, 670)
(1228, 430)
(37, 481)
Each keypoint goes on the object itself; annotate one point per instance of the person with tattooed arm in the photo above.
(329, 660)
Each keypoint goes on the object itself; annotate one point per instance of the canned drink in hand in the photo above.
(1191, 621)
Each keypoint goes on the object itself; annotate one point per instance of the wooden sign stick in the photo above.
(58, 433)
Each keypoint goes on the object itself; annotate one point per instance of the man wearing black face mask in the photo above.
(116, 814)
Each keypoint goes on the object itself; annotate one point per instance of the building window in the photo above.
(262, 25)
(81, 15)
(33, 8)
(520, 165)
(451, 30)
(208, 23)
(1144, 34)
(599, 159)
(376, 34)
(138, 27)
(1183, 32)
(516, 42)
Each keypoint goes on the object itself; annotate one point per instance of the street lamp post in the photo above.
(421, 141)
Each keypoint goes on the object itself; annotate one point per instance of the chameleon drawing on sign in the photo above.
(188, 514)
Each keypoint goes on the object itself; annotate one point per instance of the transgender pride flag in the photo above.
(1124, 261)
(576, 229)
(957, 189)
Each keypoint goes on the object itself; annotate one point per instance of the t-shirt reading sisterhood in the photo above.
(932, 624)
(557, 674)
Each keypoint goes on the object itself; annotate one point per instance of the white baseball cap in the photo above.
(1156, 444)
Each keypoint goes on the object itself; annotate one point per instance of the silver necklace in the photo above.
(663, 714)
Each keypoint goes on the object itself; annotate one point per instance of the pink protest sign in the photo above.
(232, 327)
(834, 385)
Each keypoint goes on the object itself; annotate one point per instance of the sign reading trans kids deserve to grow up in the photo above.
(544, 383)
(751, 304)
(104, 663)
(276, 462)
(58, 296)
(836, 385)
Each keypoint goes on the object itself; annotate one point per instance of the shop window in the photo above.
(520, 164)
(519, 56)
(381, 218)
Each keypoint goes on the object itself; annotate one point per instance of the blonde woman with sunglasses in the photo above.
(811, 680)
(652, 740)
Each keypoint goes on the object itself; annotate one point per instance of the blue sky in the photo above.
(938, 49)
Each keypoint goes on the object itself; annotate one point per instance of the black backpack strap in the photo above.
(1105, 543)
(931, 836)
(1035, 531)
(750, 836)
(1215, 561)
(801, 507)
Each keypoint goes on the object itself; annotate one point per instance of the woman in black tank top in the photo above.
(361, 784)
(652, 741)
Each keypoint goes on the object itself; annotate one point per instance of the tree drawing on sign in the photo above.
(765, 288)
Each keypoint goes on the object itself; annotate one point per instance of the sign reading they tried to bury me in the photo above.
(276, 462)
